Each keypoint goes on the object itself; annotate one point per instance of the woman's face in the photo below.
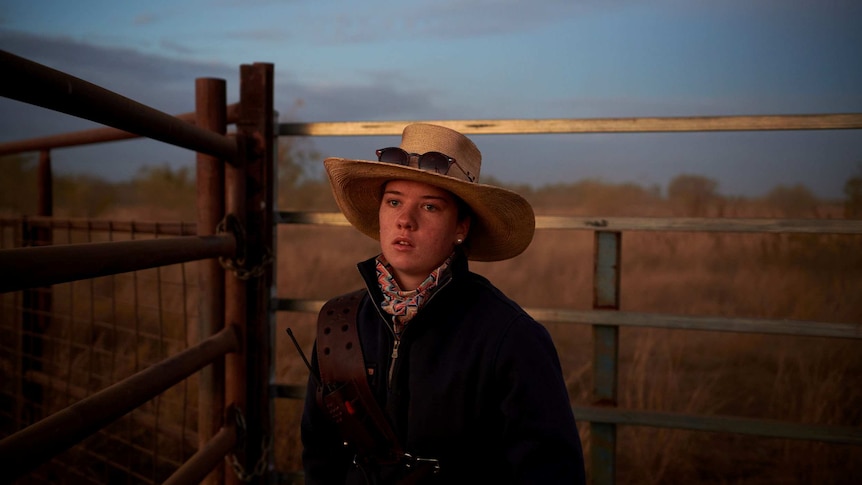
(418, 229)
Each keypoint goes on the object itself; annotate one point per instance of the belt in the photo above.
(409, 468)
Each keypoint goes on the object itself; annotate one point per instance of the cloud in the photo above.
(176, 47)
(442, 20)
(250, 3)
(156, 80)
(273, 34)
(160, 82)
(168, 85)
(353, 103)
(820, 160)
(145, 19)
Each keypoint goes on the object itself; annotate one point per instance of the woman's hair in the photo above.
(464, 210)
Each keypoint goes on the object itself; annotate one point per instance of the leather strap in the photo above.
(346, 395)
(337, 335)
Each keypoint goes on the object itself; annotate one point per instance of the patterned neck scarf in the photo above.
(403, 305)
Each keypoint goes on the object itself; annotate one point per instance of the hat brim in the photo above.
(503, 222)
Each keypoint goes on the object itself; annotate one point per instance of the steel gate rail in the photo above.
(235, 182)
(234, 177)
(604, 415)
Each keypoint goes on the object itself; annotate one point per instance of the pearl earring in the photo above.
(459, 241)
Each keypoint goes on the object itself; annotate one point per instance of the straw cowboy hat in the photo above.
(503, 223)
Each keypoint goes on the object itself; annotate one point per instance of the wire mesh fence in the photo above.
(61, 344)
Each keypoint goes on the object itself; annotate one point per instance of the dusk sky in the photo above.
(477, 59)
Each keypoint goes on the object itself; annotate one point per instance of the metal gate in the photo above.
(199, 385)
(179, 404)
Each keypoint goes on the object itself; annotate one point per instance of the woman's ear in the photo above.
(462, 229)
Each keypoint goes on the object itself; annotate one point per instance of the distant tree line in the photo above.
(170, 192)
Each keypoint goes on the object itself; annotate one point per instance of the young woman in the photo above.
(470, 385)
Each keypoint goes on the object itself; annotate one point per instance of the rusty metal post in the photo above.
(606, 296)
(235, 296)
(250, 188)
(211, 114)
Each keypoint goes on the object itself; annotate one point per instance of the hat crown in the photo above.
(423, 138)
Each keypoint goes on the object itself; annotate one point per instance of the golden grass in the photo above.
(801, 379)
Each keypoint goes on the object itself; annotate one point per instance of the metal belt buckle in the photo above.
(411, 461)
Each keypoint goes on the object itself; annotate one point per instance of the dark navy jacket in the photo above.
(477, 384)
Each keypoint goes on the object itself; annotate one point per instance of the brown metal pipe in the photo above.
(142, 418)
(257, 125)
(236, 181)
(36, 444)
(90, 137)
(235, 293)
(210, 455)
(162, 228)
(40, 85)
(210, 102)
(41, 266)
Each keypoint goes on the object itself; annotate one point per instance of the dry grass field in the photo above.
(809, 380)
(771, 276)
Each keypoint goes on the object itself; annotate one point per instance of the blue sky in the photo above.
(467, 59)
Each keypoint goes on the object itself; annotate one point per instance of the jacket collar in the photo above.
(368, 271)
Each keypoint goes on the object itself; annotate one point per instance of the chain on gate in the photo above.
(265, 447)
(237, 264)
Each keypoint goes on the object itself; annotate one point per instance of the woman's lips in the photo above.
(402, 243)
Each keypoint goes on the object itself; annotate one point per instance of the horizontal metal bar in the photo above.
(702, 224)
(33, 83)
(718, 324)
(725, 424)
(669, 224)
(38, 443)
(141, 227)
(722, 424)
(285, 391)
(655, 320)
(840, 121)
(205, 460)
(141, 419)
(321, 218)
(29, 267)
(93, 136)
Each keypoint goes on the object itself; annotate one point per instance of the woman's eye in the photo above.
(430, 207)
(392, 203)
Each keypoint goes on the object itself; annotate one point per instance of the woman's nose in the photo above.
(406, 219)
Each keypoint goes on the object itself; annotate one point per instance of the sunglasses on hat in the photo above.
(429, 161)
